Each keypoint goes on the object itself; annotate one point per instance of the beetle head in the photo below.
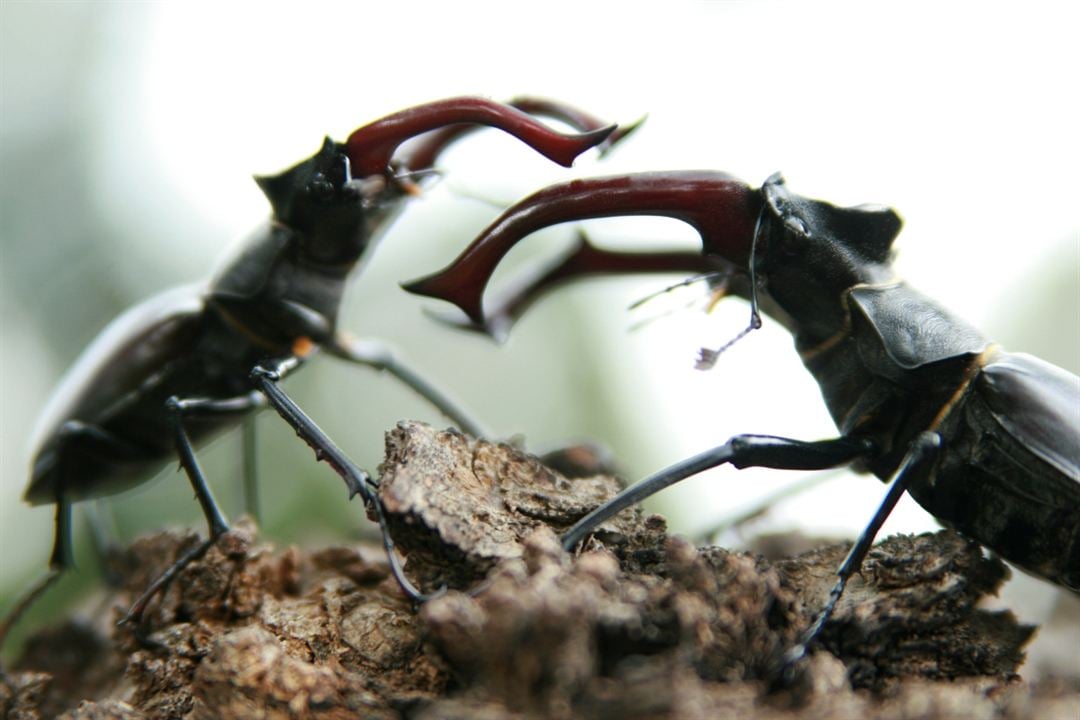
(809, 252)
(332, 213)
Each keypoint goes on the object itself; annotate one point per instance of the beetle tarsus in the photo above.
(25, 602)
(133, 617)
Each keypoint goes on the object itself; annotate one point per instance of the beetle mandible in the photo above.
(179, 367)
(986, 441)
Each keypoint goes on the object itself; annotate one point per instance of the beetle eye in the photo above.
(796, 225)
(320, 187)
(795, 232)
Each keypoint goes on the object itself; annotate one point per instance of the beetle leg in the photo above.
(380, 356)
(59, 562)
(741, 451)
(178, 408)
(250, 442)
(917, 467)
(723, 210)
(762, 507)
(356, 479)
(371, 147)
(102, 526)
(421, 153)
(90, 441)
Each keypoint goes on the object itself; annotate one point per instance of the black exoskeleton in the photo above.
(986, 441)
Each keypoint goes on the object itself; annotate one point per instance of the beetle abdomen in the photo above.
(1009, 477)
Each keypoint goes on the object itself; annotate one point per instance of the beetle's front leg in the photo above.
(308, 324)
(356, 480)
(741, 451)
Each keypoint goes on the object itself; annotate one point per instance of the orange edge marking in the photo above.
(242, 329)
(829, 342)
(410, 188)
(974, 369)
(302, 346)
(719, 293)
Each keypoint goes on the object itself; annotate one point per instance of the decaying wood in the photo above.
(637, 625)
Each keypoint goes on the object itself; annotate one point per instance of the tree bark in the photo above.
(638, 624)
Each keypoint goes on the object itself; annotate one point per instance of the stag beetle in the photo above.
(986, 441)
(194, 361)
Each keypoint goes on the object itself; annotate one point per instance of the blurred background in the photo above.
(129, 134)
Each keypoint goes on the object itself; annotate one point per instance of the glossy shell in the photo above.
(130, 352)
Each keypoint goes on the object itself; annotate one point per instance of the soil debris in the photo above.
(637, 624)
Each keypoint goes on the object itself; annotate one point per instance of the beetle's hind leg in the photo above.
(102, 526)
(79, 442)
(356, 479)
(58, 563)
(250, 453)
(178, 409)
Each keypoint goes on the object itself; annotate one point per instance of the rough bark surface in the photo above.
(636, 625)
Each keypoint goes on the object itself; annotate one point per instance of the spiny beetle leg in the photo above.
(102, 527)
(356, 480)
(917, 466)
(178, 409)
(250, 453)
(59, 563)
(74, 437)
(741, 451)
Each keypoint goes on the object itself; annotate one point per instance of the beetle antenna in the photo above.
(639, 324)
(707, 357)
(406, 174)
(717, 279)
(477, 197)
(407, 180)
